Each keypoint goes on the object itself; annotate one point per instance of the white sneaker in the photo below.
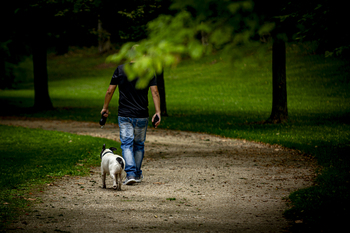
(129, 180)
(139, 179)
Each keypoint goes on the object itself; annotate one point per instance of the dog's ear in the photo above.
(103, 149)
(113, 149)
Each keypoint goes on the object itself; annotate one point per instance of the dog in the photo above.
(113, 165)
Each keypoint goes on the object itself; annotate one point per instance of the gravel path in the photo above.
(193, 183)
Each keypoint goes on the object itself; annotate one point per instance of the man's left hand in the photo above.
(158, 122)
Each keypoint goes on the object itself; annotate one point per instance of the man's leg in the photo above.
(127, 141)
(140, 128)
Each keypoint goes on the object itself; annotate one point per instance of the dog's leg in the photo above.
(114, 181)
(103, 177)
(119, 181)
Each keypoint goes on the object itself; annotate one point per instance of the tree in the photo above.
(279, 83)
(42, 99)
(320, 21)
(276, 12)
(32, 18)
(32, 21)
(25, 31)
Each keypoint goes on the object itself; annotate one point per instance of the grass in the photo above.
(218, 96)
(32, 158)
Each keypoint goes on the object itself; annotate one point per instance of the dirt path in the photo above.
(193, 183)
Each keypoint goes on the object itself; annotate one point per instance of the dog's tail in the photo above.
(120, 161)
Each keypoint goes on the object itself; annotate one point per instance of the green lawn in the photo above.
(223, 97)
(32, 158)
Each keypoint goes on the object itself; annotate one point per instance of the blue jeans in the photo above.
(132, 137)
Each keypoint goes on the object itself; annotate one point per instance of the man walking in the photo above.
(132, 119)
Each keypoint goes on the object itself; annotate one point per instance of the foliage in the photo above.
(226, 23)
(32, 157)
(322, 21)
(318, 21)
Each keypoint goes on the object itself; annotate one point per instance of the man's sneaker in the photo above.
(129, 180)
(139, 179)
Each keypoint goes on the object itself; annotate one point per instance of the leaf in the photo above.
(267, 27)
(247, 5)
(234, 7)
(195, 49)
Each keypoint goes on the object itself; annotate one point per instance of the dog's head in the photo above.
(112, 149)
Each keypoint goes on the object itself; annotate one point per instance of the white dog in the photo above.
(111, 164)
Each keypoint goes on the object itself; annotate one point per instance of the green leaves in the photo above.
(172, 37)
(221, 35)
(151, 56)
(266, 28)
(244, 5)
(195, 49)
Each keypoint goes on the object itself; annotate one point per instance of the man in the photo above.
(132, 119)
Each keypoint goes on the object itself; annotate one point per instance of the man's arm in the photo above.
(108, 97)
(156, 101)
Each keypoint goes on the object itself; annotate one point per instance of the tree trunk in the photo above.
(279, 112)
(161, 89)
(204, 37)
(42, 99)
(104, 40)
(99, 30)
(3, 78)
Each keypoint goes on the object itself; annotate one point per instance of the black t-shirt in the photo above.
(132, 102)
